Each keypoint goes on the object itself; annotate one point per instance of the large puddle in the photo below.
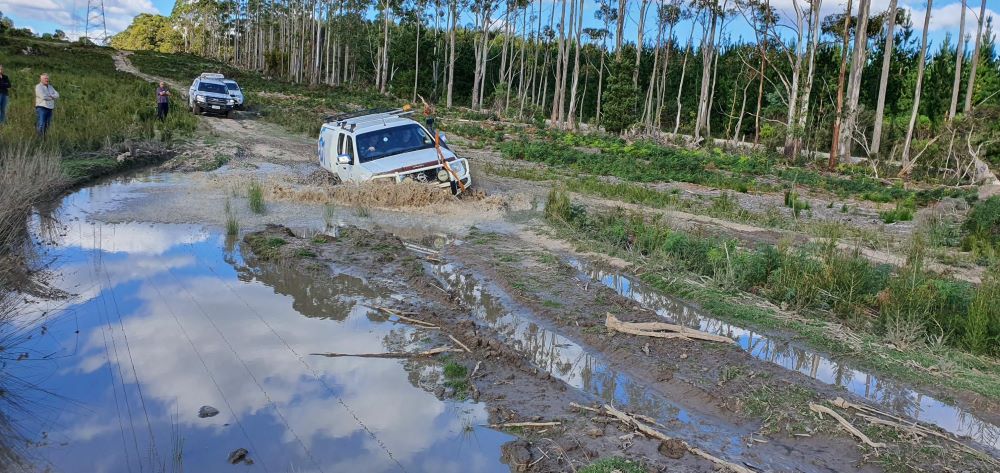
(165, 319)
(573, 364)
(879, 392)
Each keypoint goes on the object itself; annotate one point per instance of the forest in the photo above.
(857, 83)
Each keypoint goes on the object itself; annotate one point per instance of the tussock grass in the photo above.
(232, 222)
(255, 197)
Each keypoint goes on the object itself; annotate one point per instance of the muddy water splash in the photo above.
(167, 318)
(881, 393)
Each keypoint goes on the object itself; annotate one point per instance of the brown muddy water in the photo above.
(166, 318)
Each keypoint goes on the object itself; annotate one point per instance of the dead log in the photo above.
(393, 313)
(821, 409)
(509, 425)
(662, 330)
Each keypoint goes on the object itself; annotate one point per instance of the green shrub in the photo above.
(982, 227)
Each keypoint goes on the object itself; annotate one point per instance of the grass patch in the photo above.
(613, 465)
(255, 197)
(305, 253)
(266, 248)
(232, 223)
(456, 377)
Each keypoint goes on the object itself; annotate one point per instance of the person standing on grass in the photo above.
(4, 93)
(45, 103)
(162, 101)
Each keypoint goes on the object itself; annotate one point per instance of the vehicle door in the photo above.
(326, 149)
(345, 146)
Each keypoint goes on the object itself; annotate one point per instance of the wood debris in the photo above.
(662, 330)
(431, 352)
(411, 320)
(467, 350)
(878, 417)
(821, 409)
(633, 420)
(508, 425)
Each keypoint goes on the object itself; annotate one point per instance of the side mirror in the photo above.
(444, 139)
(344, 159)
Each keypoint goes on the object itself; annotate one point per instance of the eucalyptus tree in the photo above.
(959, 58)
(908, 141)
(970, 85)
(883, 78)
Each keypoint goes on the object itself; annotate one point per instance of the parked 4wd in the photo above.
(385, 145)
(208, 94)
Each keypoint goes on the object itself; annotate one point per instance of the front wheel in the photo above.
(231, 114)
(195, 109)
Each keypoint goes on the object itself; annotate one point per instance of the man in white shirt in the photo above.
(45, 103)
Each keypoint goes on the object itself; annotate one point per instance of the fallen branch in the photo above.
(821, 409)
(432, 352)
(662, 330)
(586, 408)
(910, 427)
(629, 419)
(467, 350)
(408, 319)
(524, 424)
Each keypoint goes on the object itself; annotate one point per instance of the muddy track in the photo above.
(533, 359)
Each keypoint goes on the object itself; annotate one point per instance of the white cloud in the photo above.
(70, 14)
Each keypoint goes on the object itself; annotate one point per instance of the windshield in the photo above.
(401, 139)
(232, 86)
(211, 87)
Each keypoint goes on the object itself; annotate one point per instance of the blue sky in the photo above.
(68, 15)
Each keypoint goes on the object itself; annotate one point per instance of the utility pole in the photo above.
(95, 27)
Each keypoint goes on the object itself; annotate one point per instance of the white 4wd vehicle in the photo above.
(377, 144)
(208, 94)
(235, 92)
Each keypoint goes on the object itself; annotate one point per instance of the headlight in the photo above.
(230, 101)
(457, 167)
(199, 98)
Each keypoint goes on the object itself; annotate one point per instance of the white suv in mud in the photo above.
(385, 145)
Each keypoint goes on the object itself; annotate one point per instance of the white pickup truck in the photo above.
(384, 144)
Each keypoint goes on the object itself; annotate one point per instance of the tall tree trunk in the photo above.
(971, 84)
(451, 55)
(643, 9)
(680, 86)
(834, 147)
(916, 95)
(571, 117)
(854, 83)
(884, 79)
(620, 30)
(706, 74)
(959, 58)
(793, 94)
(647, 110)
(416, 61)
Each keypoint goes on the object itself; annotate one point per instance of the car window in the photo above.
(345, 146)
(211, 87)
(391, 141)
(232, 86)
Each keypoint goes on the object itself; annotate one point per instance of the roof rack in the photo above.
(353, 119)
(212, 75)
